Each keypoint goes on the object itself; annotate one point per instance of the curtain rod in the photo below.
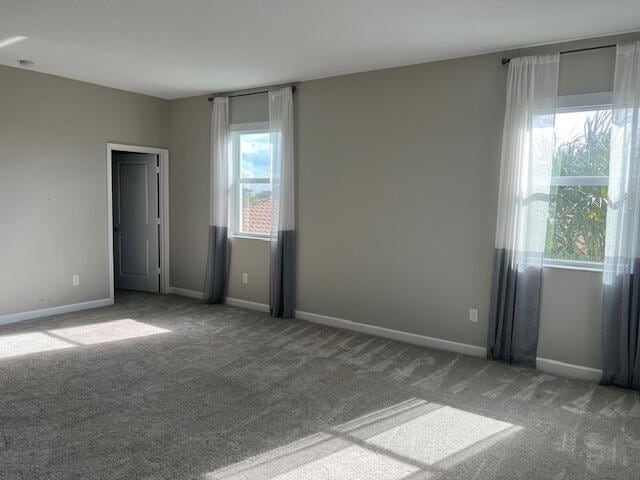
(506, 60)
(252, 91)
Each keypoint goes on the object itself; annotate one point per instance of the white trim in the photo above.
(165, 247)
(568, 369)
(572, 265)
(398, 335)
(252, 127)
(235, 192)
(186, 293)
(46, 312)
(580, 103)
(577, 181)
(244, 236)
(543, 364)
(553, 367)
(252, 236)
(584, 101)
(163, 154)
(236, 302)
(110, 223)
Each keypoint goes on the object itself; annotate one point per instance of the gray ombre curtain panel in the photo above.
(283, 241)
(216, 273)
(523, 204)
(621, 278)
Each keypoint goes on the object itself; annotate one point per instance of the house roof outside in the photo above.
(256, 217)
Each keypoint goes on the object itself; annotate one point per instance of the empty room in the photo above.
(319, 240)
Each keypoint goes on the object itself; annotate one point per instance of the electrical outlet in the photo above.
(473, 315)
(245, 278)
(75, 280)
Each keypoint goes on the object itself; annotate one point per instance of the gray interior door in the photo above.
(135, 221)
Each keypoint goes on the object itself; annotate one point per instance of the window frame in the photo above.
(580, 103)
(235, 191)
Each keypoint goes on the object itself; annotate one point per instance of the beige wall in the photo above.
(397, 179)
(570, 317)
(189, 193)
(397, 185)
(189, 143)
(53, 192)
(397, 195)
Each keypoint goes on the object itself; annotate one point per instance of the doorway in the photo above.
(138, 214)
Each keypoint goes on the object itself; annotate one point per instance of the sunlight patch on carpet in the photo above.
(26, 343)
(62, 338)
(411, 438)
(107, 332)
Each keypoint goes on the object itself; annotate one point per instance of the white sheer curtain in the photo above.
(621, 291)
(523, 204)
(216, 270)
(282, 266)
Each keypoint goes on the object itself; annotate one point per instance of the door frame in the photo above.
(163, 195)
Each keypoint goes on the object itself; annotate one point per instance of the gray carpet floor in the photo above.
(167, 388)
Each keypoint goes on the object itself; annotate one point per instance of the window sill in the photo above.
(251, 237)
(579, 268)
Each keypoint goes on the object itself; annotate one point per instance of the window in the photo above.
(250, 201)
(578, 203)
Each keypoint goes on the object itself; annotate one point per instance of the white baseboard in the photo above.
(46, 312)
(399, 335)
(186, 293)
(553, 367)
(236, 302)
(389, 333)
(568, 370)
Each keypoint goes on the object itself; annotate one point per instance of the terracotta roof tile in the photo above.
(256, 217)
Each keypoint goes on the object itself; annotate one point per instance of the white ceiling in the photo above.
(178, 48)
